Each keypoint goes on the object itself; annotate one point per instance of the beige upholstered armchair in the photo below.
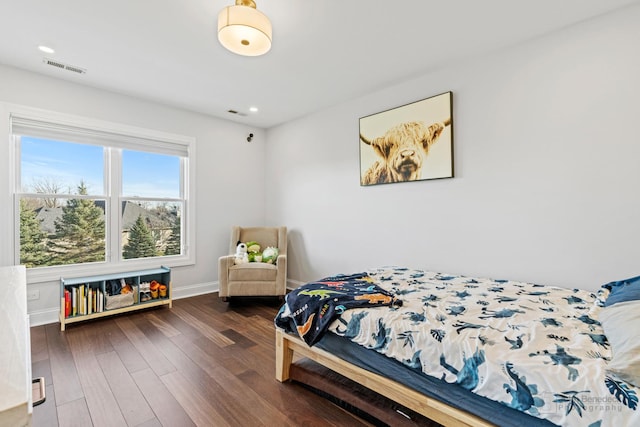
(254, 278)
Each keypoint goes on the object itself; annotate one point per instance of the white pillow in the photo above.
(621, 323)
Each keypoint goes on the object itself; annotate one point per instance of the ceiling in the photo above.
(324, 51)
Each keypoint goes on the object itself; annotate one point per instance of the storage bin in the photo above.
(118, 301)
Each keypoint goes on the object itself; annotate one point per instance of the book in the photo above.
(74, 300)
(67, 303)
(81, 301)
(89, 300)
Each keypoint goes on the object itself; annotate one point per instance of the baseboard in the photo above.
(195, 290)
(296, 284)
(44, 317)
(50, 315)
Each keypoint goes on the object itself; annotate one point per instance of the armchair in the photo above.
(255, 278)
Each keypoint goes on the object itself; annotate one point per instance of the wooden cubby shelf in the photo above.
(88, 297)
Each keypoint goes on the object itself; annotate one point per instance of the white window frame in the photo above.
(119, 136)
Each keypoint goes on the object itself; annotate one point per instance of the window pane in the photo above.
(71, 232)
(76, 181)
(150, 175)
(151, 229)
(57, 167)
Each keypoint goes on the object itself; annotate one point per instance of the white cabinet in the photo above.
(15, 351)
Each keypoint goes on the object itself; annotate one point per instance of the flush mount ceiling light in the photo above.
(244, 30)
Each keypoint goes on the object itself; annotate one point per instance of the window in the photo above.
(151, 205)
(95, 196)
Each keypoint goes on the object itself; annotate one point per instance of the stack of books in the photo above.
(82, 300)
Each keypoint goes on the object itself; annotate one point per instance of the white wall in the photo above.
(546, 160)
(546, 152)
(227, 169)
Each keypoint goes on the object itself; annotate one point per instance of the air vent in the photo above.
(237, 113)
(64, 66)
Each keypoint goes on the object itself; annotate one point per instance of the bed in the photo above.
(473, 351)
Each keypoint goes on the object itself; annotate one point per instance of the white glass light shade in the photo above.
(244, 30)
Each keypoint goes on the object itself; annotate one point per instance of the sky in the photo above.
(67, 164)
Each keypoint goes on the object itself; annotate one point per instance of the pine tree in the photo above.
(33, 251)
(141, 243)
(80, 232)
(173, 243)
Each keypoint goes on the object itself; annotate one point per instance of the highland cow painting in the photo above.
(413, 142)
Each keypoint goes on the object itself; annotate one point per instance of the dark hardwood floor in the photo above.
(203, 362)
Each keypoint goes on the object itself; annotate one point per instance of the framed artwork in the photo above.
(413, 142)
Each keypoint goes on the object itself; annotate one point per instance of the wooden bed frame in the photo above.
(287, 345)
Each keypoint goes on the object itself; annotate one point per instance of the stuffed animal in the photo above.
(241, 254)
(253, 248)
(270, 255)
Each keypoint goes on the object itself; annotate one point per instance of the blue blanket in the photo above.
(310, 309)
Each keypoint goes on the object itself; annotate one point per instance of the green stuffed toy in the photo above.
(253, 249)
(270, 255)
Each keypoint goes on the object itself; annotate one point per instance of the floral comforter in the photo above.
(538, 349)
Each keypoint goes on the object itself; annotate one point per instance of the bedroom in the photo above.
(546, 177)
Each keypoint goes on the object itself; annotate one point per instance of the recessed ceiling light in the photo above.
(46, 49)
(253, 109)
